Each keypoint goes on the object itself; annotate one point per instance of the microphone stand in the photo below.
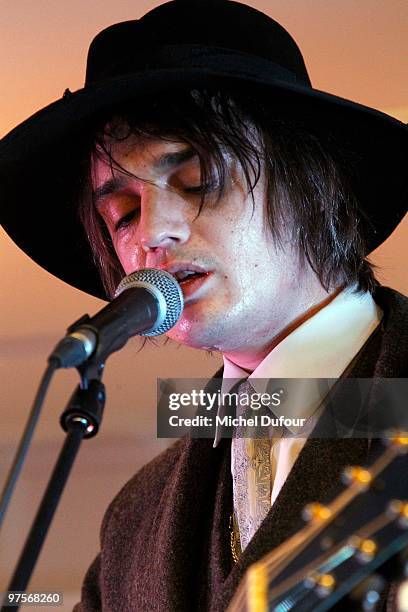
(81, 419)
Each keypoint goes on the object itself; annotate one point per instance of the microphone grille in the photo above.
(169, 289)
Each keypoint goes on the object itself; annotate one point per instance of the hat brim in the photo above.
(40, 160)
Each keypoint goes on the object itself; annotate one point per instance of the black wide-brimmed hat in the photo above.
(179, 45)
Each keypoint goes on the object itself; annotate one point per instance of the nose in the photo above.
(164, 219)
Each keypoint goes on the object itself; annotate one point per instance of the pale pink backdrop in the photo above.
(354, 49)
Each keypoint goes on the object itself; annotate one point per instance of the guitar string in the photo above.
(278, 559)
(273, 562)
(322, 563)
(375, 525)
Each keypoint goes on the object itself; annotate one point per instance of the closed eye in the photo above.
(202, 189)
(126, 219)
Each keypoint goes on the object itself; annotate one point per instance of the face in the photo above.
(240, 290)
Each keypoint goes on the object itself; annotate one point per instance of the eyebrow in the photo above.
(110, 186)
(167, 161)
(170, 160)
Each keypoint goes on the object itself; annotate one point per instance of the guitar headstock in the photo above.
(342, 543)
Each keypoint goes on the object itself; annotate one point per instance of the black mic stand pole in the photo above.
(81, 419)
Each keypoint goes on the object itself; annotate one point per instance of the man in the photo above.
(204, 151)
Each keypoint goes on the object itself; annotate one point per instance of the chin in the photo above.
(192, 334)
(190, 340)
(208, 329)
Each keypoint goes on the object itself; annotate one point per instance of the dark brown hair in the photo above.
(309, 181)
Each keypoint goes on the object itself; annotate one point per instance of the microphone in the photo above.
(146, 303)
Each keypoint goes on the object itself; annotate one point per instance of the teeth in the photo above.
(184, 274)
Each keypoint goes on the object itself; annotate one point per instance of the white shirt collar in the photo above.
(321, 347)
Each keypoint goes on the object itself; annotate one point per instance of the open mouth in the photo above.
(191, 283)
(186, 276)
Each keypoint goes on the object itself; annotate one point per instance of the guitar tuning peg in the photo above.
(325, 585)
(398, 440)
(366, 548)
(357, 475)
(399, 509)
(316, 512)
(322, 584)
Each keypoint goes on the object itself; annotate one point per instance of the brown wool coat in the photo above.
(165, 538)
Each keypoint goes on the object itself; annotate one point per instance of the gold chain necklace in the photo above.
(234, 540)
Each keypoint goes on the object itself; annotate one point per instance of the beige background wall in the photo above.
(354, 49)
